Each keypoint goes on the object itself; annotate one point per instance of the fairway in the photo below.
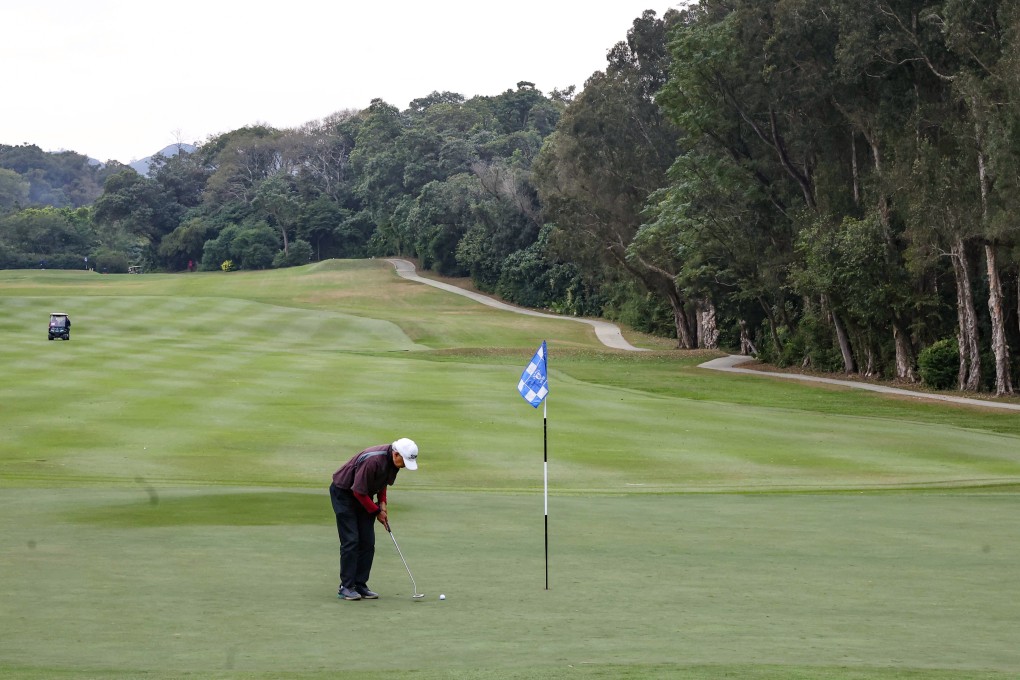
(164, 511)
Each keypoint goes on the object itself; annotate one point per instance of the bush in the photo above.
(768, 351)
(793, 351)
(246, 246)
(523, 280)
(298, 253)
(14, 259)
(939, 364)
(110, 262)
(627, 302)
(254, 245)
(227, 266)
(216, 250)
(256, 256)
(816, 340)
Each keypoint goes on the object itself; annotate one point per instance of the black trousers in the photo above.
(356, 529)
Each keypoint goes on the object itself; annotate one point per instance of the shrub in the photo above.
(254, 245)
(816, 338)
(299, 253)
(216, 250)
(939, 364)
(227, 266)
(256, 256)
(245, 246)
(110, 262)
(628, 303)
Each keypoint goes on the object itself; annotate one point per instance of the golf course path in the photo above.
(607, 333)
(731, 364)
(610, 336)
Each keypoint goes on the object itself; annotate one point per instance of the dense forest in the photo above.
(822, 183)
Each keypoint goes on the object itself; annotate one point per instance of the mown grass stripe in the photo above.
(163, 462)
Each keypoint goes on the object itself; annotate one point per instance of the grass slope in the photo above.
(163, 509)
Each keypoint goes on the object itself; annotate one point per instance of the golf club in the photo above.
(416, 595)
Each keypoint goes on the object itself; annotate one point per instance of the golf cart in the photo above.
(60, 326)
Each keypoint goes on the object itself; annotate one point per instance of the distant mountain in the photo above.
(142, 166)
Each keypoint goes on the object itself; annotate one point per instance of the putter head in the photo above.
(417, 596)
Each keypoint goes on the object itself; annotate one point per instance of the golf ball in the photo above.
(442, 597)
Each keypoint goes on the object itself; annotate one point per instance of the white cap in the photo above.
(408, 450)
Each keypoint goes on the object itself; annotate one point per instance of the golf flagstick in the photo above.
(534, 387)
(545, 481)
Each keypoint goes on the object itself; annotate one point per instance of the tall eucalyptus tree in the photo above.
(967, 47)
(610, 152)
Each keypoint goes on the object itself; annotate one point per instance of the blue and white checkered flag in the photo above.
(534, 384)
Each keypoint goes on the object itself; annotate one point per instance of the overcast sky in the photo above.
(121, 79)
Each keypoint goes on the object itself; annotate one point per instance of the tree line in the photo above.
(823, 183)
(848, 178)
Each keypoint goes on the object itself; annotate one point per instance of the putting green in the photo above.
(191, 581)
(163, 507)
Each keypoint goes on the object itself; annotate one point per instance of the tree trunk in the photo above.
(683, 324)
(747, 347)
(684, 338)
(657, 279)
(844, 344)
(904, 353)
(1000, 348)
(855, 173)
(967, 338)
(773, 328)
(901, 340)
(708, 328)
(841, 337)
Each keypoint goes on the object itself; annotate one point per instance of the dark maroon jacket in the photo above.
(368, 474)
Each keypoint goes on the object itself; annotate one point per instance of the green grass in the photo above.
(163, 508)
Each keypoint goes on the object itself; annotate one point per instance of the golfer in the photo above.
(362, 477)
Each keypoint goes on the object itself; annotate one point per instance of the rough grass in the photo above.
(163, 509)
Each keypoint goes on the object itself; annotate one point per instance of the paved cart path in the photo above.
(610, 336)
(731, 364)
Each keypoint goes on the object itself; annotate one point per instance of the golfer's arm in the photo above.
(366, 502)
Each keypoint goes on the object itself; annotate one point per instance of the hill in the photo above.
(40, 178)
(141, 166)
